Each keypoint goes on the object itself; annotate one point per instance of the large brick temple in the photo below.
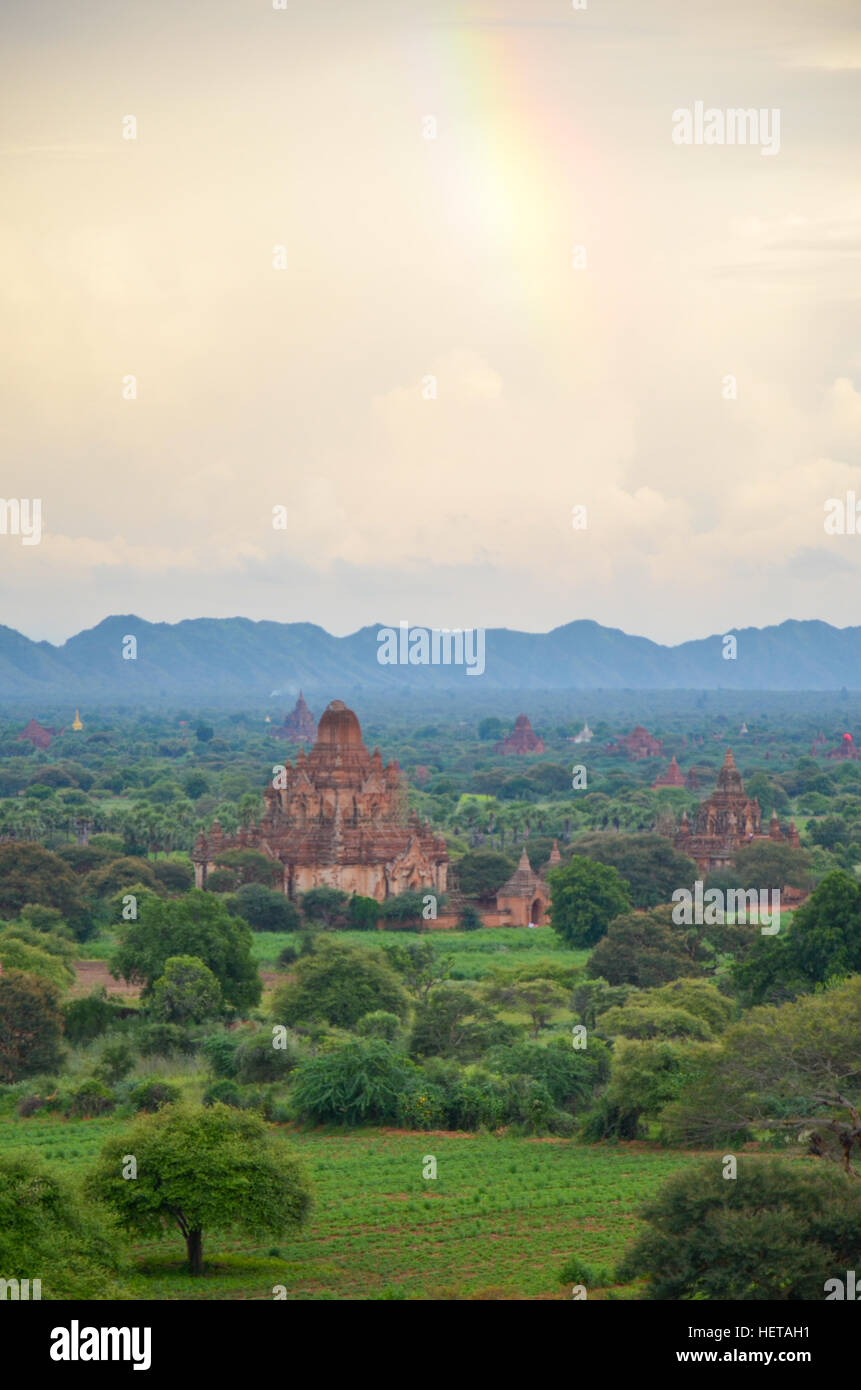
(338, 819)
(726, 821)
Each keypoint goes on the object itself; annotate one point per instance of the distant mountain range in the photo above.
(237, 661)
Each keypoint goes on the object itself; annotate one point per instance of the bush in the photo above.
(219, 1050)
(339, 983)
(88, 1018)
(258, 1059)
(152, 1093)
(264, 909)
(424, 1107)
(363, 913)
(469, 919)
(223, 1092)
(328, 906)
(173, 875)
(162, 1040)
(379, 1024)
(782, 1231)
(361, 1082)
(89, 1099)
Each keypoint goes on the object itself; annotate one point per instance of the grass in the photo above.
(473, 954)
(500, 1219)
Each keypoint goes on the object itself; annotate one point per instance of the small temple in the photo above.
(726, 821)
(338, 819)
(299, 726)
(585, 735)
(638, 744)
(845, 749)
(672, 777)
(37, 734)
(524, 899)
(522, 739)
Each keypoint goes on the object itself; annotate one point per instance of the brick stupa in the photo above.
(671, 778)
(638, 744)
(36, 734)
(298, 726)
(522, 739)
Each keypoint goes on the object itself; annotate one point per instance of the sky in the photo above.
(428, 376)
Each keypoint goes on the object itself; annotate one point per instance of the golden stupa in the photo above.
(77, 725)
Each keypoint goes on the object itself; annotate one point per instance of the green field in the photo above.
(473, 953)
(499, 1220)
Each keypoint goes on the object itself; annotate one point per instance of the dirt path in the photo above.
(93, 973)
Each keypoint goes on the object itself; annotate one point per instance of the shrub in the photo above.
(220, 1050)
(264, 909)
(379, 1024)
(162, 1040)
(89, 1099)
(258, 1059)
(361, 1082)
(339, 983)
(88, 1018)
(152, 1093)
(363, 914)
(224, 1092)
(173, 875)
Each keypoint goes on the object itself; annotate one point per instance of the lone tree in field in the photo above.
(202, 1168)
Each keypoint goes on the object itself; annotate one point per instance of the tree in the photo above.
(202, 1168)
(641, 948)
(823, 943)
(585, 897)
(490, 728)
(793, 1068)
(419, 965)
(771, 865)
(31, 874)
(264, 909)
(778, 1232)
(651, 868)
(196, 925)
(48, 1233)
(363, 913)
(339, 983)
(119, 875)
(187, 992)
(538, 998)
(204, 732)
(328, 906)
(481, 873)
(448, 1024)
(31, 1026)
(250, 866)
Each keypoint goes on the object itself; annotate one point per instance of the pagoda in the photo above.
(522, 739)
(36, 734)
(298, 726)
(726, 821)
(671, 778)
(338, 819)
(524, 899)
(638, 744)
(845, 749)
